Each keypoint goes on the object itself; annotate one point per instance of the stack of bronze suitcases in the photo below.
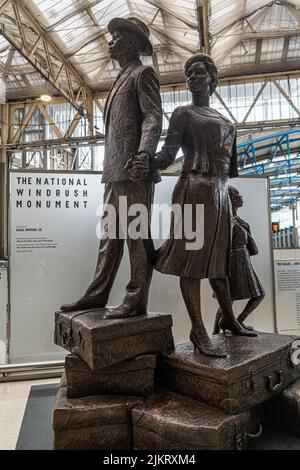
(126, 387)
(111, 370)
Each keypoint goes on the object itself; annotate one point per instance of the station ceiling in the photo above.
(244, 37)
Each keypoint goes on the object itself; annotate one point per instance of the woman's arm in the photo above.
(233, 171)
(173, 141)
(138, 167)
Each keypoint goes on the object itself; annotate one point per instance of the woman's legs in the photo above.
(190, 289)
(252, 304)
(220, 287)
(216, 329)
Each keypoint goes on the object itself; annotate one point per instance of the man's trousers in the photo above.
(141, 248)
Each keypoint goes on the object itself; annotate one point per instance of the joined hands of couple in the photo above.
(138, 166)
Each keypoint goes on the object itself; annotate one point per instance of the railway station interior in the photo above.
(56, 74)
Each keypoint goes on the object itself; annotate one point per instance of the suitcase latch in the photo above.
(249, 385)
(270, 382)
(239, 440)
(80, 337)
(67, 339)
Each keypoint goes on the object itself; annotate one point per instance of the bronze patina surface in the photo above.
(101, 342)
(133, 121)
(243, 280)
(208, 143)
(254, 370)
(132, 377)
(92, 423)
(169, 421)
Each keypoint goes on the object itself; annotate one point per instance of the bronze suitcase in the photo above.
(92, 423)
(101, 343)
(131, 377)
(255, 370)
(169, 421)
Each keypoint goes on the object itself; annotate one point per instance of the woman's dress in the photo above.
(208, 141)
(243, 280)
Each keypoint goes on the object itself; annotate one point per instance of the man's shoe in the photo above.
(80, 305)
(124, 312)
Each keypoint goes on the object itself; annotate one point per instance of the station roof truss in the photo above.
(65, 42)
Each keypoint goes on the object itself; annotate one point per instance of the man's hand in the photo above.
(138, 166)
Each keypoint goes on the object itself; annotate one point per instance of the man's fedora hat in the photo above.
(136, 26)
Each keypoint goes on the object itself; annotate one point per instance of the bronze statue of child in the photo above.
(243, 280)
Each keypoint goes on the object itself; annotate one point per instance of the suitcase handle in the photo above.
(275, 387)
(241, 439)
(248, 435)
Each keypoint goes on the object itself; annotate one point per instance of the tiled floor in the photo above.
(13, 399)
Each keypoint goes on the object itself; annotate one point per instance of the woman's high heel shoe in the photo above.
(246, 327)
(227, 324)
(204, 345)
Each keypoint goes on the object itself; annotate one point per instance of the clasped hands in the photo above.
(138, 166)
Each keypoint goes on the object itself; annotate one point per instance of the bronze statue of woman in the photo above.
(243, 280)
(208, 141)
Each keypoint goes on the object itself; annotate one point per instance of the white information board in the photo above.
(3, 310)
(54, 250)
(53, 245)
(287, 288)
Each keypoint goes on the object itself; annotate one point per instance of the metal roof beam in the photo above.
(286, 96)
(80, 9)
(260, 36)
(258, 51)
(285, 49)
(260, 92)
(130, 7)
(263, 9)
(202, 15)
(85, 42)
(294, 12)
(171, 39)
(171, 11)
(33, 44)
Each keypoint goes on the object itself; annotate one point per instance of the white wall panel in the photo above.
(44, 274)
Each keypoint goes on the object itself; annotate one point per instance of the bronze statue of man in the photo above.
(133, 119)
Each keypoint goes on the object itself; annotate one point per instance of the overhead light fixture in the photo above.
(45, 98)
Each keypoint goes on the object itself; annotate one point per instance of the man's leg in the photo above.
(141, 251)
(109, 258)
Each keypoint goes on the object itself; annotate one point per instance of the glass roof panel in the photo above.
(242, 34)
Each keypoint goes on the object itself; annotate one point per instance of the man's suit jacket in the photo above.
(133, 120)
